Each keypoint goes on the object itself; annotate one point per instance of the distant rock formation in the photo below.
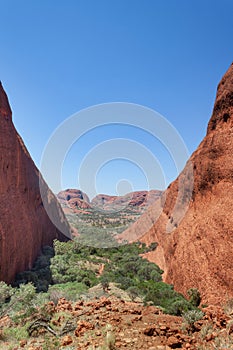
(138, 200)
(198, 251)
(24, 224)
(72, 200)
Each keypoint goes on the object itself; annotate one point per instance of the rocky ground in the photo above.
(112, 323)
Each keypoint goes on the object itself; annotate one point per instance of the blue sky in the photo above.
(59, 57)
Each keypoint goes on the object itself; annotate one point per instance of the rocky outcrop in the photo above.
(138, 200)
(70, 194)
(24, 224)
(72, 200)
(197, 251)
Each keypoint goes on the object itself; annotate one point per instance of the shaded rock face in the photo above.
(24, 224)
(198, 252)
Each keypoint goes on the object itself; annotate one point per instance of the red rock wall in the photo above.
(198, 253)
(24, 224)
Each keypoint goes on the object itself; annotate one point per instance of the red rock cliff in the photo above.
(198, 251)
(24, 225)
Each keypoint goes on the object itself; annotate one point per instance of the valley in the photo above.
(99, 221)
(148, 270)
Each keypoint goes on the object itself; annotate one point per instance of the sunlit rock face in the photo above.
(198, 251)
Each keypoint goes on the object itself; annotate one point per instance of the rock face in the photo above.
(197, 251)
(24, 224)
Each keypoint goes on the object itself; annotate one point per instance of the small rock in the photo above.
(127, 340)
(67, 340)
(149, 331)
(173, 342)
(22, 343)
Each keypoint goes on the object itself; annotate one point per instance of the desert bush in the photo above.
(61, 248)
(150, 272)
(6, 292)
(69, 290)
(192, 316)
(16, 333)
(164, 295)
(55, 295)
(123, 281)
(205, 330)
(20, 301)
(152, 247)
(65, 267)
(110, 339)
(133, 292)
(74, 268)
(178, 307)
(194, 296)
(221, 342)
(104, 282)
(228, 307)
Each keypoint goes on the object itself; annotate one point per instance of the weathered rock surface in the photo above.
(197, 251)
(24, 224)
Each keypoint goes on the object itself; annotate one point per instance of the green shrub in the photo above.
(133, 292)
(16, 333)
(6, 292)
(73, 269)
(69, 290)
(163, 295)
(150, 272)
(21, 303)
(179, 306)
(194, 296)
(192, 316)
